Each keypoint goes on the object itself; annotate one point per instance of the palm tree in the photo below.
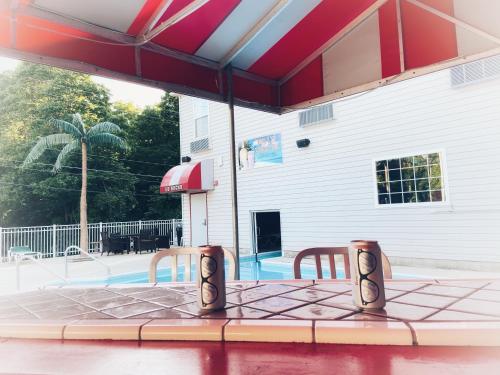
(74, 136)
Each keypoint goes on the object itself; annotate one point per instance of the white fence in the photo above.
(52, 240)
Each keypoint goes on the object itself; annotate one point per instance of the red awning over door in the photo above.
(187, 178)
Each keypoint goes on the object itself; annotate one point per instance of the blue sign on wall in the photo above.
(261, 151)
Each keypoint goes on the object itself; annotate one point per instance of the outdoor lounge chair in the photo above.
(22, 252)
(331, 252)
(113, 243)
(163, 242)
(146, 241)
(187, 252)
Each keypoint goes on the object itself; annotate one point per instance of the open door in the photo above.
(266, 231)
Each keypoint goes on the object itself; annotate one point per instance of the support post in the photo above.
(18, 274)
(234, 184)
(54, 241)
(100, 237)
(1, 245)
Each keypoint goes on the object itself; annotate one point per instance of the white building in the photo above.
(447, 124)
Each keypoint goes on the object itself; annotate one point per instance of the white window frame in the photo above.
(195, 137)
(444, 177)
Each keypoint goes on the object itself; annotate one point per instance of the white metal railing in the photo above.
(73, 247)
(39, 264)
(52, 240)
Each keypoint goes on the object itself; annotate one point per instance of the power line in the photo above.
(123, 159)
(72, 190)
(90, 169)
(76, 174)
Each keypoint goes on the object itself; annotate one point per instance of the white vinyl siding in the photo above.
(325, 193)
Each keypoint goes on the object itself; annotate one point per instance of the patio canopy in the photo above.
(284, 54)
(189, 178)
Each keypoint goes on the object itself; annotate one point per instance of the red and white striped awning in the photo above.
(285, 54)
(189, 178)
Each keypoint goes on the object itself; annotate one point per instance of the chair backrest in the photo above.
(187, 252)
(331, 252)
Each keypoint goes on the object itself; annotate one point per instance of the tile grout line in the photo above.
(413, 333)
(63, 332)
(459, 299)
(314, 331)
(139, 338)
(223, 331)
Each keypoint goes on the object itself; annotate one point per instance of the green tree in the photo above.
(75, 136)
(121, 186)
(153, 138)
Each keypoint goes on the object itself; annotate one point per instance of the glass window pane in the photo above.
(407, 174)
(436, 184)
(410, 179)
(421, 172)
(201, 127)
(435, 170)
(434, 158)
(409, 197)
(395, 174)
(200, 108)
(381, 176)
(420, 160)
(383, 199)
(407, 162)
(397, 198)
(437, 196)
(396, 187)
(394, 164)
(423, 196)
(381, 165)
(409, 185)
(423, 184)
(382, 188)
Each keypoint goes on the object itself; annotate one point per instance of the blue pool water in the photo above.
(249, 270)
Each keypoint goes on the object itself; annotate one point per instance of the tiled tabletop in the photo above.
(432, 312)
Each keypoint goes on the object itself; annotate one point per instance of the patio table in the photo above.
(418, 312)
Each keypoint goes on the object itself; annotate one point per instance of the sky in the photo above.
(139, 95)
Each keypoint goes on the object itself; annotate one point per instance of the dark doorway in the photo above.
(267, 231)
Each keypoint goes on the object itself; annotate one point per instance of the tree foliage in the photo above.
(30, 97)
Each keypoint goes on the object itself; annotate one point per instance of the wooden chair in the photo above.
(331, 252)
(187, 252)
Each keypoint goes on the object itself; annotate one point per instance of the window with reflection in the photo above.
(410, 179)
(200, 118)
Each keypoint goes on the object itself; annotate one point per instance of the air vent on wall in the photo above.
(316, 115)
(200, 145)
(475, 71)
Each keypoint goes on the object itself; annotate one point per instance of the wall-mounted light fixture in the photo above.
(186, 159)
(301, 143)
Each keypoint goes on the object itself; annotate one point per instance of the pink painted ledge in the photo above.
(420, 312)
(254, 330)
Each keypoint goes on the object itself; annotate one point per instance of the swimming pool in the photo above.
(249, 270)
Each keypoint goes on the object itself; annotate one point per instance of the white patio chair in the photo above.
(188, 252)
(331, 252)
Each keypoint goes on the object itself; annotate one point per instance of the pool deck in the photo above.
(418, 313)
(32, 276)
